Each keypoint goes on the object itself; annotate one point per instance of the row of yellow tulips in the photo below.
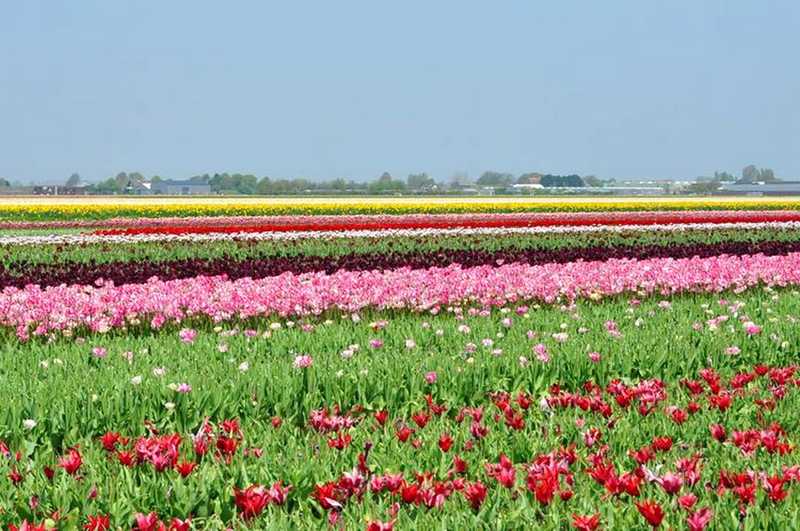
(90, 207)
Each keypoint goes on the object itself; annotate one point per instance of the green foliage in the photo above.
(385, 185)
(549, 181)
(420, 181)
(74, 398)
(497, 179)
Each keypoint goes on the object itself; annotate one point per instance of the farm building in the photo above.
(170, 187)
(773, 188)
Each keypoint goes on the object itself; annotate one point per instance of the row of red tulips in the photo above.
(437, 221)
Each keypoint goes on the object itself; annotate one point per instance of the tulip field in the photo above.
(400, 364)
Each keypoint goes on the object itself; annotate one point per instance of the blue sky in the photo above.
(625, 89)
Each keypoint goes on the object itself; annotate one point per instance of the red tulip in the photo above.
(651, 511)
(478, 430)
(278, 493)
(381, 417)
(629, 483)
(15, 477)
(459, 465)
(773, 486)
(231, 427)
(26, 526)
(662, 444)
(586, 523)
(251, 501)
(409, 493)
(71, 462)
(97, 523)
(503, 471)
(445, 442)
(380, 526)
(227, 445)
(340, 442)
(475, 493)
(687, 501)
(185, 468)
(421, 418)
(180, 525)
(126, 458)
(109, 441)
(148, 522)
(721, 401)
(679, 416)
(643, 455)
(404, 433)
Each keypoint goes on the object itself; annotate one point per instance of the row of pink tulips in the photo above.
(38, 311)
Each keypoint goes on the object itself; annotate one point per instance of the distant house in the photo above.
(170, 187)
(16, 190)
(520, 187)
(57, 189)
(530, 178)
(137, 187)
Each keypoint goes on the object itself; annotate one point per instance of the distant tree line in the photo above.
(750, 174)
(549, 181)
(415, 183)
(249, 184)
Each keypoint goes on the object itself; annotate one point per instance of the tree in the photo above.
(767, 175)
(74, 180)
(339, 185)
(749, 173)
(574, 181)
(4, 183)
(109, 186)
(122, 180)
(419, 181)
(560, 181)
(220, 182)
(264, 186)
(385, 184)
(493, 178)
(703, 188)
(246, 184)
(459, 180)
(591, 180)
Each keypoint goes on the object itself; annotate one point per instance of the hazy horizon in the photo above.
(620, 89)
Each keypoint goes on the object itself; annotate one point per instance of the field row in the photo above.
(94, 266)
(93, 208)
(38, 311)
(521, 416)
